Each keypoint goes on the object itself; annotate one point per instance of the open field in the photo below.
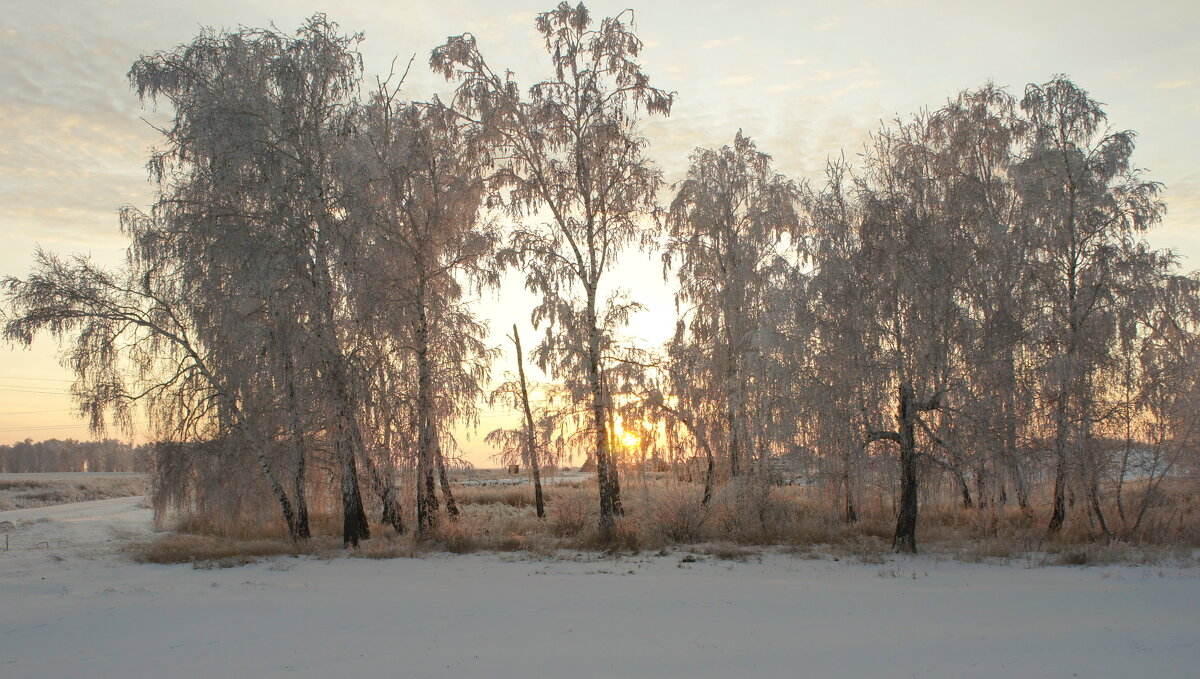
(75, 606)
(20, 491)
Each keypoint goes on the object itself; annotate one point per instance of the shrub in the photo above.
(673, 515)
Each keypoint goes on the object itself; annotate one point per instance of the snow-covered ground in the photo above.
(499, 477)
(72, 606)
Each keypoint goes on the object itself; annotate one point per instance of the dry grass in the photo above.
(208, 551)
(24, 484)
(513, 496)
(729, 551)
(744, 518)
(25, 493)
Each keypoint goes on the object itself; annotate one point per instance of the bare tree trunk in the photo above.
(964, 488)
(383, 481)
(981, 488)
(850, 514)
(354, 518)
(709, 469)
(905, 539)
(427, 458)
(1093, 494)
(734, 439)
(347, 436)
(606, 472)
(444, 480)
(302, 530)
(530, 439)
(1058, 511)
(285, 505)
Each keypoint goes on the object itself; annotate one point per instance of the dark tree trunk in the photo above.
(905, 539)
(427, 502)
(354, 517)
(1058, 512)
(981, 489)
(302, 530)
(606, 471)
(285, 505)
(347, 444)
(850, 514)
(385, 487)
(347, 437)
(735, 442)
(709, 469)
(444, 480)
(427, 455)
(964, 489)
(530, 438)
(1094, 500)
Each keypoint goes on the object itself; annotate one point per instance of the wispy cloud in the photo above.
(850, 79)
(738, 80)
(1173, 84)
(830, 24)
(721, 42)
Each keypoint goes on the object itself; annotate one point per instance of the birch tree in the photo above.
(1084, 197)
(247, 184)
(724, 228)
(523, 443)
(569, 153)
(421, 190)
(131, 341)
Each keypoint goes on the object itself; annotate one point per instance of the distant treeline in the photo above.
(54, 455)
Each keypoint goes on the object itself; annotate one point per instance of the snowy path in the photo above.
(68, 610)
(101, 511)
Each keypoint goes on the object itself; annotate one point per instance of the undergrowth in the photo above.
(743, 519)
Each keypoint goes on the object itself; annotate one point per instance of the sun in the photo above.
(626, 437)
(629, 439)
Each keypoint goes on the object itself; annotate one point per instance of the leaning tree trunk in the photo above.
(285, 505)
(259, 446)
(383, 482)
(444, 480)
(905, 539)
(1093, 495)
(530, 440)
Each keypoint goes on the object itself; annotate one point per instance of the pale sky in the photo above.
(806, 80)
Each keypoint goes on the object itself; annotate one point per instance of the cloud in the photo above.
(1173, 84)
(850, 79)
(830, 24)
(738, 80)
(721, 42)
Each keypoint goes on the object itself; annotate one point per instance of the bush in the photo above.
(207, 551)
(673, 515)
(570, 511)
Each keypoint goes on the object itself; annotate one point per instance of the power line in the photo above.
(56, 426)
